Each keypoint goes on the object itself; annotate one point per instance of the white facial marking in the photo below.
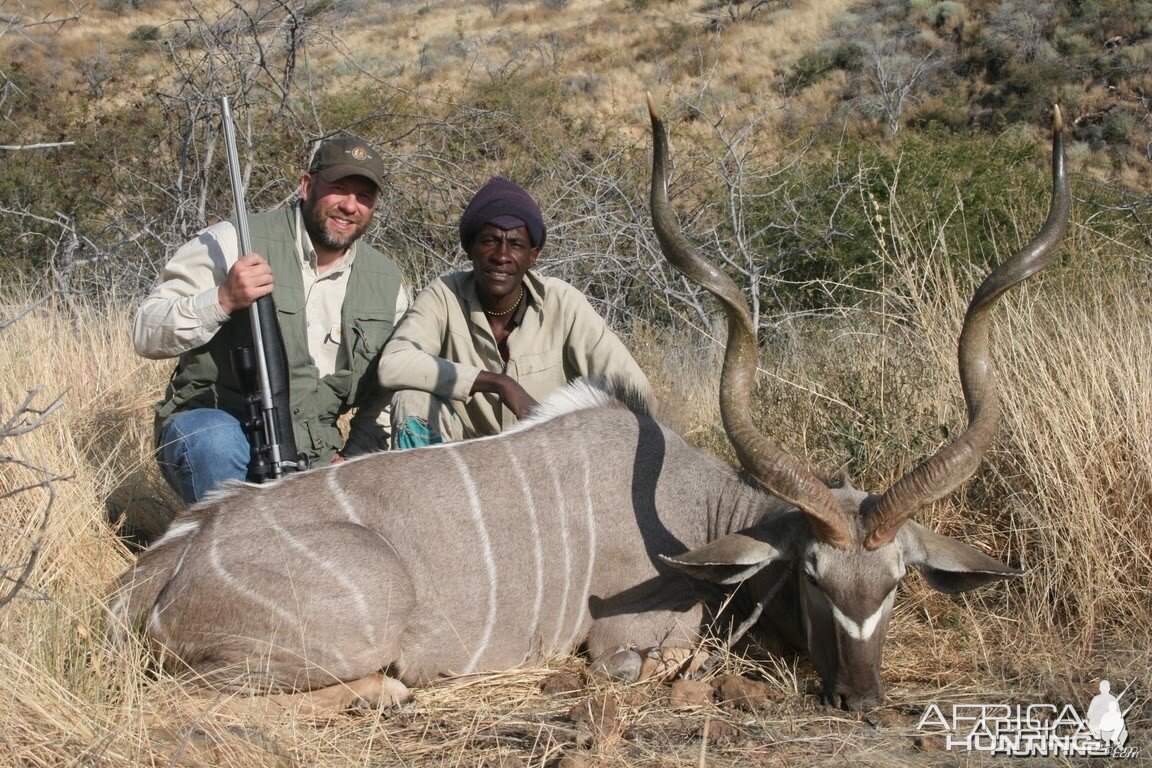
(486, 553)
(857, 631)
(864, 630)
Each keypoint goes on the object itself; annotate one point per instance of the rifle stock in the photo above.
(261, 370)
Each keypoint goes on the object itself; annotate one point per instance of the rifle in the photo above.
(262, 369)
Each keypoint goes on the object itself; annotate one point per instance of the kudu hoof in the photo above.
(618, 664)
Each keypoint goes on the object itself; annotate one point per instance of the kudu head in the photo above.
(850, 548)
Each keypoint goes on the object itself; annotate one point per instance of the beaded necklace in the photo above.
(519, 297)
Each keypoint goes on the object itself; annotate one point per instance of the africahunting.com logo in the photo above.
(1034, 730)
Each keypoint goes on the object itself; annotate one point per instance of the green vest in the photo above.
(204, 377)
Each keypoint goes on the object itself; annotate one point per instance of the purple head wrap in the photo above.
(506, 205)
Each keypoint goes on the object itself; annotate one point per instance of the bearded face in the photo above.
(337, 213)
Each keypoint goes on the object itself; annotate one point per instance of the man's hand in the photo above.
(517, 400)
(511, 393)
(249, 279)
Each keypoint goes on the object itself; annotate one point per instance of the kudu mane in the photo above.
(586, 394)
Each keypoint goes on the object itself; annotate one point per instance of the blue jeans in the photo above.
(201, 448)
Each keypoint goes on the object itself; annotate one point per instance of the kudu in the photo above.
(574, 529)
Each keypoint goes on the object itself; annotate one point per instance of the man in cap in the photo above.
(479, 348)
(337, 300)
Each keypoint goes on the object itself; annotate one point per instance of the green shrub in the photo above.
(145, 33)
(972, 188)
(945, 14)
(808, 70)
(1117, 127)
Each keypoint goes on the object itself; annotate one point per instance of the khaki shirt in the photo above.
(444, 341)
(183, 311)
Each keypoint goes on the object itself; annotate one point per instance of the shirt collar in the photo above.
(522, 308)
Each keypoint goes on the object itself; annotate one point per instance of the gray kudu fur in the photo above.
(588, 526)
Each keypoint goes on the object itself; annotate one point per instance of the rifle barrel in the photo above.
(266, 404)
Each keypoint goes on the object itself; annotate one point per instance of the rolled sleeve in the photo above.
(412, 358)
(183, 311)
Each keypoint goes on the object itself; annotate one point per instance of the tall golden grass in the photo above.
(1065, 493)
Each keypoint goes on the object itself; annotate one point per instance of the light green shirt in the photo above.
(444, 341)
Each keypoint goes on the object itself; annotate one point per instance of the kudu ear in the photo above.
(947, 564)
(733, 558)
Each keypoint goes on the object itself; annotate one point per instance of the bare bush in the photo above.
(496, 7)
(893, 74)
(22, 478)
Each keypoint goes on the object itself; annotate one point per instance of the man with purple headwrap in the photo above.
(479, 348)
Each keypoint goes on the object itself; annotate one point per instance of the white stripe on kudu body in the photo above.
(331, 569)
(537, 545)
(565, 544)
(342, 499)
(176, 531)
(590, 519)
(236, 584)
(485, 553)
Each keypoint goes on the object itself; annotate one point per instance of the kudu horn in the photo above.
(778, 471)
(957, 461)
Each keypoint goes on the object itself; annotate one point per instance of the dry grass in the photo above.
(1065, 494)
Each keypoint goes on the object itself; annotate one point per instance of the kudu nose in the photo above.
(864, 692)
(855, 702)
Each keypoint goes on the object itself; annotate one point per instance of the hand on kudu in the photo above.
(514, 397)
(248, 279)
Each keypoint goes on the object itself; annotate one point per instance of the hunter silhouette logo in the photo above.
(1034, 730)
(1105, 720)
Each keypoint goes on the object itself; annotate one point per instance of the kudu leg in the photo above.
(658, 663)
(373, 691)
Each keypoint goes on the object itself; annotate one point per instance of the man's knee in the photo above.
(421, 418)
(201, 448)
(205, 433)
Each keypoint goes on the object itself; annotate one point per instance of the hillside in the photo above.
(782, 113)
(974, 65)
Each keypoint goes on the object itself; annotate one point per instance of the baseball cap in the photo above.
(347, 155)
